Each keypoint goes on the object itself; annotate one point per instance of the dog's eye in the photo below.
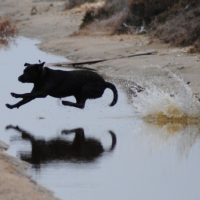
(27, 72)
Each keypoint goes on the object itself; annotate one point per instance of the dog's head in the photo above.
(31, 73)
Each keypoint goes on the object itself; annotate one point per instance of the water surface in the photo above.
(147, 161)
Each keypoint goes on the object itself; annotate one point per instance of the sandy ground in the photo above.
(54, 27)
(15, 183)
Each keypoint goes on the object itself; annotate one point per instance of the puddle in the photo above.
(136, 160)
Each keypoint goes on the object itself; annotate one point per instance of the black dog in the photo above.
(81, 84)
(81, 149)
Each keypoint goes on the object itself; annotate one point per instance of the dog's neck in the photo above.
(43, 71)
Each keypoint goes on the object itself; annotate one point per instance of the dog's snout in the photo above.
(20, 78)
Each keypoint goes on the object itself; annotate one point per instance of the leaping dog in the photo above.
(81, 84)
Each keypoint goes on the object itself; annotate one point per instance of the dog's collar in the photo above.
(43, 70)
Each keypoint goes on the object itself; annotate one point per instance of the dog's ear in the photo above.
(41, 66)
(26, 64)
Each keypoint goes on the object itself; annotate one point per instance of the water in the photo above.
(170, 104)
(149, 160)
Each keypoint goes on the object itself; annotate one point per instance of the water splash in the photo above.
(176, 102)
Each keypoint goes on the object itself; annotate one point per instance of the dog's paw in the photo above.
(66, 103)
(14, 95)
(9, 127)
(9, 106)
(65, 132)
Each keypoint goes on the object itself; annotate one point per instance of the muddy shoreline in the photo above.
(54, 27)
(13, 172)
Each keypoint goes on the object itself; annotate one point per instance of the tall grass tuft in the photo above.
(8, 30)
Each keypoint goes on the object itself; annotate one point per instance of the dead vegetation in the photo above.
(8, 30)
(74, 3)
(124, 16)
(182, 29)
(172, 21)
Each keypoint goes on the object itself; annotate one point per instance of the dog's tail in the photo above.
(115, 93)
(114, 140)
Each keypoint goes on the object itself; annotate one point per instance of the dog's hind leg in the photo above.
(79, 104)
(89, 91)
(93, 90)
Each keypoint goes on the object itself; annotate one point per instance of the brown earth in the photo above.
(48, 22)
(54, 27)
(15, 183)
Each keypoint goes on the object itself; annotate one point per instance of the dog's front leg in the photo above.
(25, 134)
(20, 103)
(14, 95)
(38, 94)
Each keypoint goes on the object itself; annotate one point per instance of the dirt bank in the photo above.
(48, 22)
(15, 183)
(53, 26)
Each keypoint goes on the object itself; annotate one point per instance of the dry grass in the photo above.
(74, 3)
(110, 17)
(173, 21)
(182, 29)
(135, 12)
(7, 30)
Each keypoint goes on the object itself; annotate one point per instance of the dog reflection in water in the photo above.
(81, 149)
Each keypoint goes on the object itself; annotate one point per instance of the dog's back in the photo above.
(76, 76)
(82, 84)
(69, 83)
